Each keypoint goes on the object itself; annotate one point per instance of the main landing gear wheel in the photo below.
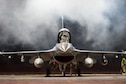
(78, 72)
(47, 72)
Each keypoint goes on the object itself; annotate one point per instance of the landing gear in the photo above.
(47, 73)
(78, 72)
(62, 68)
(63, 73)
(71, 69)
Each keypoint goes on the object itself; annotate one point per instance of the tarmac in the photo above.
(58, 79)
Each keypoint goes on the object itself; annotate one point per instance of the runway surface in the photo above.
(57, 79)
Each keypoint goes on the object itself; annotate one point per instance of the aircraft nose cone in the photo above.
(64, 46)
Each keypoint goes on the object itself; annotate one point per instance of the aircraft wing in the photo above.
(45, 54)
(81, 54)
(98, 52)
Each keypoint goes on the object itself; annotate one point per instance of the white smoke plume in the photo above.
(36, 22)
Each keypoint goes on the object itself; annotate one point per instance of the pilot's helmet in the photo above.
(61, 32)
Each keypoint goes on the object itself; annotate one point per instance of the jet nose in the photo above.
(65, 46)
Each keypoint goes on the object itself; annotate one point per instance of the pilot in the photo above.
(123, 65)
(64, 37)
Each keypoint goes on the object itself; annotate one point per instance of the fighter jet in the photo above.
(63, 55)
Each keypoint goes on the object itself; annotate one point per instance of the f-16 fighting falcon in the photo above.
(63, 55)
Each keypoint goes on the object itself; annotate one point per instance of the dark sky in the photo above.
(34, 24)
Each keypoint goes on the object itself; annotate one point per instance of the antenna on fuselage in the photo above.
(62, 22)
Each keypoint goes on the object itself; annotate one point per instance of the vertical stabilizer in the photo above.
(62, 22)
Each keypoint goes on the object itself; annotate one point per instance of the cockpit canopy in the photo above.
(64, 35)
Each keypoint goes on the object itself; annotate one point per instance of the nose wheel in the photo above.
(62, 68)
(63, 73)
